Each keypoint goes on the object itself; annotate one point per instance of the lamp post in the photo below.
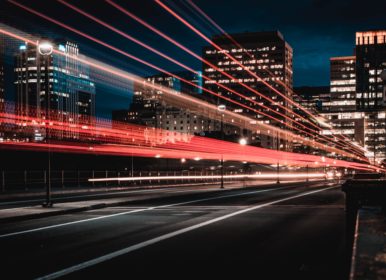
(244, 142)
(307, 173)
(324, 167)
(45, 49)
(221, 108)
(278, 166)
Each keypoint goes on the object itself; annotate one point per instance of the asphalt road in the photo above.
(74, 194)
(286, 232)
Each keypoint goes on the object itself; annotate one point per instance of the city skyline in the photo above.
(193, 139)
(269, 54)
(313, 43)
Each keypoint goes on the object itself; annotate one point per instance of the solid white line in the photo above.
(149, 242)
(135, 211)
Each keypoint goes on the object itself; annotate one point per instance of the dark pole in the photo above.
(48, 203)
(132, 165)
(277, 167)
(222, 156)
(307, 172)
(325, 172)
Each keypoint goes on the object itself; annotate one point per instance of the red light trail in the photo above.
(195, 30)
(183, 99)
(168, 73)
(168, 38)
(188, 68)
(202, 13)
(134, 140)
(171, 74)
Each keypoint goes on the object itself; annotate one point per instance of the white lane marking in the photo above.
(152, 241)
(135, 211)
(172, 189)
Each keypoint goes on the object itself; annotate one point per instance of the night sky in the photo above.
(316, 29)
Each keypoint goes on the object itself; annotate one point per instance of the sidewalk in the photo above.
(369, 253)
(30, 212)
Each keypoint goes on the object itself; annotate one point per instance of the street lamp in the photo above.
(221, 108)
(324, 167)
(45, 49)
(244, 142)
(307, 173)
(278, 166)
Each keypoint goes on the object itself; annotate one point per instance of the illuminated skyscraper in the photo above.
(2, 85)
(342, 84)
(54, 84)
(267, 55)
(358, 102)
(371, 60)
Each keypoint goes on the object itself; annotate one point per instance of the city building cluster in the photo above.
(250, 74)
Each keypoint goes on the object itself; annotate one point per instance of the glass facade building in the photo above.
(267, 55)
(55, 86)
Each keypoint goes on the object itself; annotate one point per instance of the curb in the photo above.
(52, 213)
(369, 247)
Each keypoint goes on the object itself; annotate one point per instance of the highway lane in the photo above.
(23, 199)
(229, 230)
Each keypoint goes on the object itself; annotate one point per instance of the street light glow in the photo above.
(221, 107)
(45, 48)
(243, 141)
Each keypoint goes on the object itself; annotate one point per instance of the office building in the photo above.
(370, 52)
(315, 99)
(371, 60)
(267, 55)
(54, 85)
(357, 106)
(2, 85)
(342, 84)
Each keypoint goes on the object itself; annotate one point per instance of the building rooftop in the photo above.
(264, 36)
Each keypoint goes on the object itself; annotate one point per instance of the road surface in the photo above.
(266, 232)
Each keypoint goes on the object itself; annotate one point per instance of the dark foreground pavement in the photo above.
(289, 232)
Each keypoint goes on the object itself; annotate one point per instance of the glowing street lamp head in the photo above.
(221, 107)
(45, 48)
(243, 141)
